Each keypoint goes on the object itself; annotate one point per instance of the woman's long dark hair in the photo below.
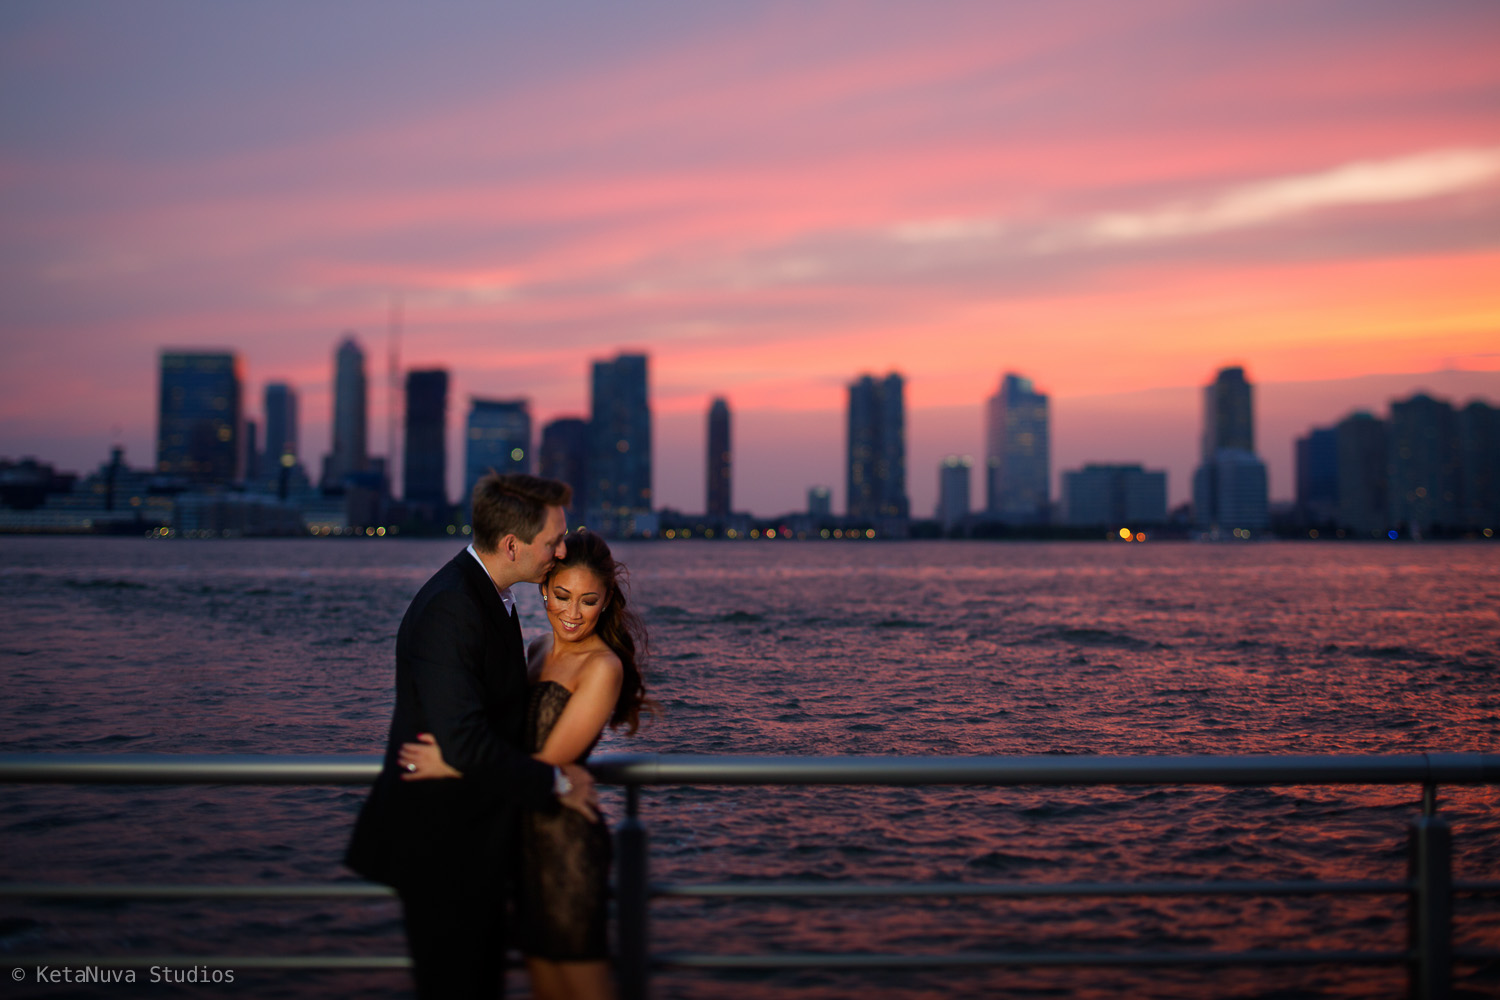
(621, 629)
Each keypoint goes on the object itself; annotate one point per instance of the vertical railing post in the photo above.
(633, 887)
(1430, 927)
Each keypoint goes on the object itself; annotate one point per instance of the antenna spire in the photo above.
(392, 387)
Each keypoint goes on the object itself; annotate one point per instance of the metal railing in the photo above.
(1429, 887)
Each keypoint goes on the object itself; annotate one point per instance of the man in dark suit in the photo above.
(449, 847)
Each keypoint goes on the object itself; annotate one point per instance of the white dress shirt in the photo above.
(505, 595)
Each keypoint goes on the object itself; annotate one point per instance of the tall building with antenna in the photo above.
(393, 389)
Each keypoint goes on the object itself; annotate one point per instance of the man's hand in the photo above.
(583, 797)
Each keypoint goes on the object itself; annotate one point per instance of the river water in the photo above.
(125, 645)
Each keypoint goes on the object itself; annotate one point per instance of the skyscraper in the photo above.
(1362, 474)
(252, 456)
(281, 424)
(1018, 463)
(1229, 493)
(1227, 421)
(564, 455)
(1317, 473)
(819, 503)
(1479, 466)
(426, 466)
(1114, 496)
(350, 416)
(876, 464)
(719, 460)
(1423, 460)
(1229, 486)
(620, 452)
(498, 437)
(198, 427)
(953, 490)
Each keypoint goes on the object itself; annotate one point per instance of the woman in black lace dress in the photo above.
(584, 675)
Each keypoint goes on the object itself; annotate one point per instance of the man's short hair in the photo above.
(513, 504)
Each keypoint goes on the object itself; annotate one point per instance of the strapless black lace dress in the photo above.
(564, 882)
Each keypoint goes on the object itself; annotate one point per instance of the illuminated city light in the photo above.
(1140, 536)
(670, 533)
(1125, 533)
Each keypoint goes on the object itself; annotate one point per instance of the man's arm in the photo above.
(445, 649)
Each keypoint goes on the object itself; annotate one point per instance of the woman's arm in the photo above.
(583, 718)
(587, 711)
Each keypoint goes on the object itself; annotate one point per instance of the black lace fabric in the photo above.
(564, 880)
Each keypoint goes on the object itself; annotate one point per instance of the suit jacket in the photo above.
(460, 675)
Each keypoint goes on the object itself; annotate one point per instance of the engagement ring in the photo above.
(411, 767)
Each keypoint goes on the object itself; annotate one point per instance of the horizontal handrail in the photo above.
(731, 769)
(829, 960)
(194, 890)
(851, 890)
(188, 769)
(1430, 956)
(1052, 769)
(143, 891)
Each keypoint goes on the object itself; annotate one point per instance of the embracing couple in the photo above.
(483, 818)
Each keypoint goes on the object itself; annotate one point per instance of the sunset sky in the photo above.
(769, 199)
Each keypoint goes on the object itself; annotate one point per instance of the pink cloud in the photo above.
(770, 203)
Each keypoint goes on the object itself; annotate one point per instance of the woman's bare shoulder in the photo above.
(602, 664)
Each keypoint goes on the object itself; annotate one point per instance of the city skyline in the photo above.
(1148, 412)
(1116, 203)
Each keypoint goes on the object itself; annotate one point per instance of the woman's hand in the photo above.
(423, 760)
